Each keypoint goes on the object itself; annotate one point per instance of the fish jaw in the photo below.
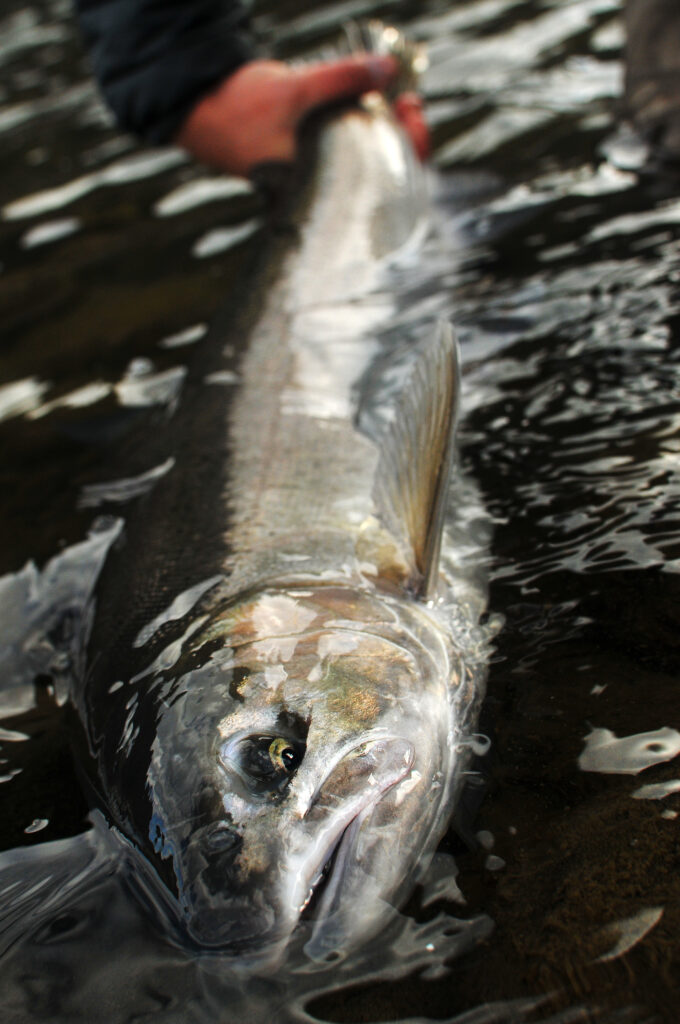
(354, 904)
(347, 795)
(376, 858)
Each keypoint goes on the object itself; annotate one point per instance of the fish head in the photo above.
(301, 769)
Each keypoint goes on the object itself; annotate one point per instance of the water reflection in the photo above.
(566, 300)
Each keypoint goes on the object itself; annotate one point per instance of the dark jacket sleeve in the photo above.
(155, 58)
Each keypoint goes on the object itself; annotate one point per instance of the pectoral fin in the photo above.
(417, 453)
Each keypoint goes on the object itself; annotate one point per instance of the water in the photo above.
(563, 902)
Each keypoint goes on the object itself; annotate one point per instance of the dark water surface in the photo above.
(564, 288)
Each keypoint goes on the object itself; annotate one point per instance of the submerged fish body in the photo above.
(290, 738)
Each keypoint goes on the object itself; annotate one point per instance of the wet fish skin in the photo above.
(290, 745)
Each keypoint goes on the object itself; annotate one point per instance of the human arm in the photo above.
(174, 71)
(155, 59)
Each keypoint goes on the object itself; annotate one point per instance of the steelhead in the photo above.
(275, 699)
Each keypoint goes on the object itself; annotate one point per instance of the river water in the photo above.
(555, 896)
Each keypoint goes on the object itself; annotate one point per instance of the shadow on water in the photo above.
(562, 903)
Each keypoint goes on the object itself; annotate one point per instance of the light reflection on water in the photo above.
(565, 296)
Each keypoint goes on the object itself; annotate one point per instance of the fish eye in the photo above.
(283, 754)
(267, 763)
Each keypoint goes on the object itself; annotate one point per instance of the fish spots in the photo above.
(355, 704)
(349, 698)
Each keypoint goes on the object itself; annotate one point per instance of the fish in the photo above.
(274, 703)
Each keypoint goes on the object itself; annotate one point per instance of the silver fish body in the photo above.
(288, 744)
(293, 429)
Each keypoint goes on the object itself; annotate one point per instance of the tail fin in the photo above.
(375, 37)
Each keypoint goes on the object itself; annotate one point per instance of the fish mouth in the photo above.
(341, 867)
(311, 908)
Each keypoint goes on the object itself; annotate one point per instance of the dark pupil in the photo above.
(290, 758)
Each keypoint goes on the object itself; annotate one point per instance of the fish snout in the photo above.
(362, 775)
(345, 799)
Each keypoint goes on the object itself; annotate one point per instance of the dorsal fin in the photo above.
(417, 452)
